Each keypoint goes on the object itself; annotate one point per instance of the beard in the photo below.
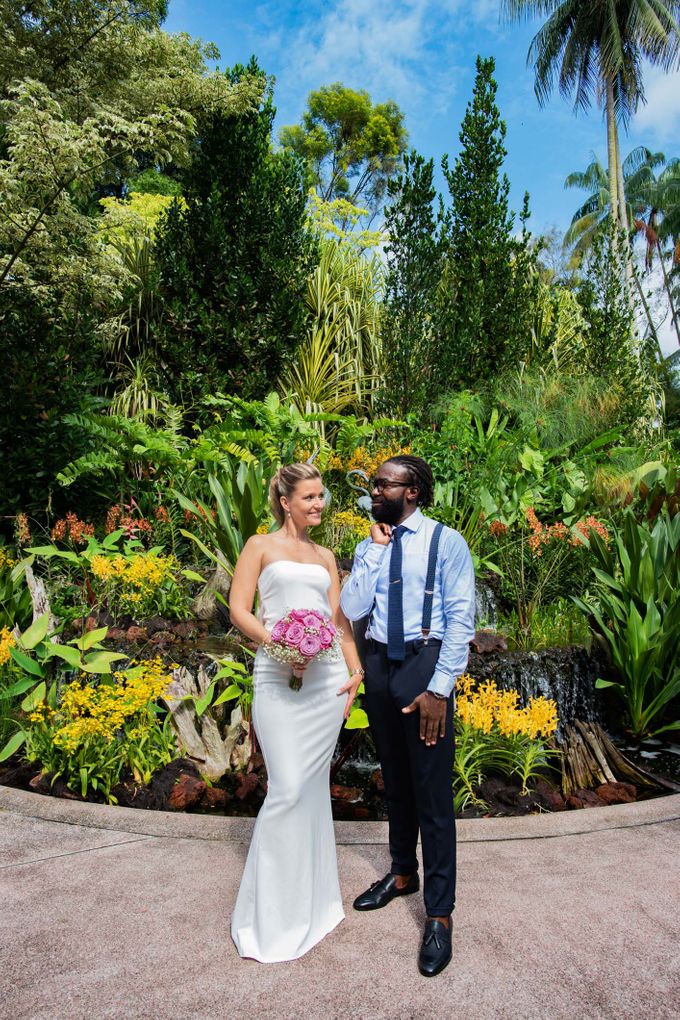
(389, 511)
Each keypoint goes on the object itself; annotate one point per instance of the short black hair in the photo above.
(420, 476)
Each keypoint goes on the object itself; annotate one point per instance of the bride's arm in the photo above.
(349, 649)
(242, 592)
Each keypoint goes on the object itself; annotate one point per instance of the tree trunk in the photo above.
(612, 153)
(667, 283)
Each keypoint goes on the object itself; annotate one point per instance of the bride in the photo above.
(290, 896)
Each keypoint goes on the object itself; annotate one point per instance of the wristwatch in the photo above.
(439, 697)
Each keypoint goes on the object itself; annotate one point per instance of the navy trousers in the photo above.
(418, 779)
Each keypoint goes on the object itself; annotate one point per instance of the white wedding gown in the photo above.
(289, 897)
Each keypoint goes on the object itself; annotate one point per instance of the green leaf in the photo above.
(37, 632)
(358, 720)
(18, 688)
(600, 684)
(191, 575)
(100, 662)
(35, 697)
(27, 664)
(68, 653)
(92, 638)
(231, 692)
(13, 745)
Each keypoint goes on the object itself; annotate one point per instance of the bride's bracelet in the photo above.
(359, 671)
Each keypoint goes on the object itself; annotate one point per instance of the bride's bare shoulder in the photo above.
(328, 556)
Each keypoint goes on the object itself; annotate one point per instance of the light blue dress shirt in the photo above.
(453, 609)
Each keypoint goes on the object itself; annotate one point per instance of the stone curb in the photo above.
(239, 830)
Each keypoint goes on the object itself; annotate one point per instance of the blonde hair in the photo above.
(284, 483)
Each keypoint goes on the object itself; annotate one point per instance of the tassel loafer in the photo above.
(380, 893)
(435, 951)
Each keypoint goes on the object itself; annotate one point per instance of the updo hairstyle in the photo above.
(284, 483)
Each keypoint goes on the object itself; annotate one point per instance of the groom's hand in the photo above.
(381, 534)
(432, 716)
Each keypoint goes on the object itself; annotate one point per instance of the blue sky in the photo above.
(421, 54)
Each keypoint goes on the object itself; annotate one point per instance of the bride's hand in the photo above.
(350, 689)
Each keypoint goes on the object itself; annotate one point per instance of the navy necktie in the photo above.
(395, 601)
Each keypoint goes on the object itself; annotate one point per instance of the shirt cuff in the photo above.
(441, 683)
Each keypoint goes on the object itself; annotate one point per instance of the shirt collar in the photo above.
(414, 522)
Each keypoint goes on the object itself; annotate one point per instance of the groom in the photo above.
(415, 579)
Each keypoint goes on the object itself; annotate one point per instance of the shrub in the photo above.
(100, 729)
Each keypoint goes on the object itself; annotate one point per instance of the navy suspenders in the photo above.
(429, 581)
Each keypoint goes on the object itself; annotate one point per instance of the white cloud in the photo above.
(407, 50)
(659, 118)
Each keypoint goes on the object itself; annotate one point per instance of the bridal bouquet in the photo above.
(300, 636)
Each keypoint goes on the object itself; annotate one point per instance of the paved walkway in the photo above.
(116, 913)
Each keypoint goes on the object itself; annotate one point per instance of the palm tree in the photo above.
(594, 49)
(590, 218)
(637, 174)
(659, 200)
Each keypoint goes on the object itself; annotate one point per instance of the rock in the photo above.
(155, 624)
(377, 781)
(247, 783)
(116, 634)
(485, 642)
(346, 794)
(163, 637)
(584, 799)
(186, 792)
(135, 635)
(184, 629)
(214, 799)
(549, 796)
(617, 793)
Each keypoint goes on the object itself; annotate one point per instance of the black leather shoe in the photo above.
(435, 952)
(380, 893)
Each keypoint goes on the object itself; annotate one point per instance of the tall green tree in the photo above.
(234, 258)
(489, 282)
(610, 349)
(414, 271)
(352, 145)
(91, 91)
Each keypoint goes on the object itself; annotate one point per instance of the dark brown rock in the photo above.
(246, 784)
(584, 799)
(377, 781)
(617, 793)
(485, 642)
(155, 624)
(163, 637)
(549, 796)
(347, 794)
(214, 799)
(136, 634)
(184, 629)
(116, 634)
(186, 793)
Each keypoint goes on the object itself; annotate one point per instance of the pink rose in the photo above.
(326, 637)
(310, 645)
(313, 620)
(278, 630)
(294, 634)
(298, 614)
